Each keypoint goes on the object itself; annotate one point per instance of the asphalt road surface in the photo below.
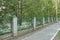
(45, 34)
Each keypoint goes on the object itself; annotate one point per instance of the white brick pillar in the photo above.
(52, 19)
(34, 23)
(57, 19)
(14, 26)
(48, 19)
(43, 20)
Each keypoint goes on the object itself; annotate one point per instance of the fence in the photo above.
(24, 26)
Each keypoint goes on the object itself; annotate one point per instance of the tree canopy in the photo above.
(30, 8)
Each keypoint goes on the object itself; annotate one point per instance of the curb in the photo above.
(55, 35)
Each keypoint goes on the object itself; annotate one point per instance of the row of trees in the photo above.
(27, 9)
(39, 9)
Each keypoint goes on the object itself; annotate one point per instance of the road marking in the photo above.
(54, 35)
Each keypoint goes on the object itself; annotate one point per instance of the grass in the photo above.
(57, 37)
(59, 34)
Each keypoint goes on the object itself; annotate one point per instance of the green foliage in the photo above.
(30, 8)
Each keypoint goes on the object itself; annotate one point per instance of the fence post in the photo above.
(57, 19)
(52, 19)
(34, 23)
(43, 21)
(48, 19)
(14, 26)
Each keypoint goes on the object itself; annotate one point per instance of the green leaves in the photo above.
(30, 8)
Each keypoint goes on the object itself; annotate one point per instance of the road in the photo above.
(46, 34)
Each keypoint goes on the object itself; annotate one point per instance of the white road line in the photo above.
(54, 35)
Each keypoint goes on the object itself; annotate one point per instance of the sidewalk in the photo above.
(45, 34)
